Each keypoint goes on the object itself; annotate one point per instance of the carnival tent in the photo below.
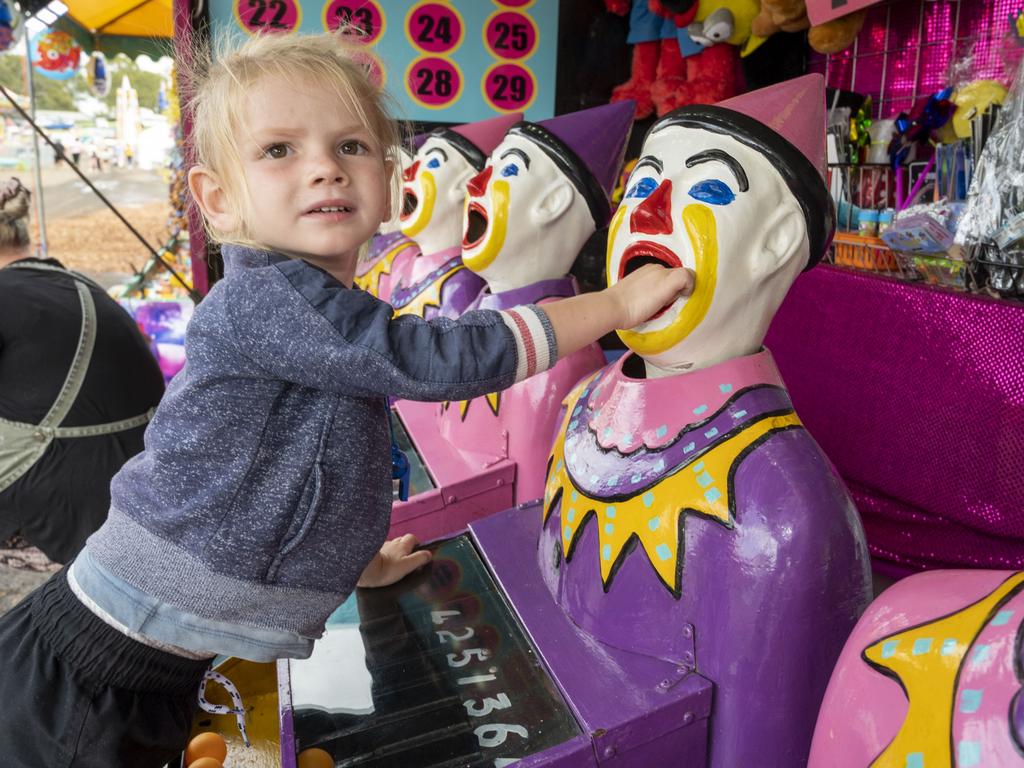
(132, 27)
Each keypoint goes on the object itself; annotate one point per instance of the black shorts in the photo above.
(76, 693)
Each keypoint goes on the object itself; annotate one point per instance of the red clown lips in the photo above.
(476, 225)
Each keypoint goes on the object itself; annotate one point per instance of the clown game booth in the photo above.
(666, 568)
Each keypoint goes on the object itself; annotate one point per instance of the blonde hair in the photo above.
(221, 81)
(14, 207)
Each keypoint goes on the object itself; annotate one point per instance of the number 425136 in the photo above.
(490, 735)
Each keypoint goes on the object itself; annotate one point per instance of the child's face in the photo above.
(315, 175)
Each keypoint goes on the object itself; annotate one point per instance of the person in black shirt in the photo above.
(77, 386)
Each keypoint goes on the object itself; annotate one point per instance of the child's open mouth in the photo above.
(476, 225)
(648, 252)
(335, 212)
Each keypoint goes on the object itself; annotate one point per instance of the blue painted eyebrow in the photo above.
(712, 155)
(517, 153)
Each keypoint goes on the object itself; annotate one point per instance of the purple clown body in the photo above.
(771, 589)
(434, 284)
(505, 432)
(386, 254)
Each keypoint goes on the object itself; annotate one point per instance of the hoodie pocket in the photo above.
(304, 519)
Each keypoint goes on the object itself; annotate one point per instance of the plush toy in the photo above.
(669, 69)
(791, 16)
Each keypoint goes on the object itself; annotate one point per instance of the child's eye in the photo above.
(433, 163)
(276, 151)
(712, 191)
(510, 170)
(642, 188)
(354, 148)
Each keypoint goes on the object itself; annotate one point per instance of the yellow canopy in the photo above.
(121, 26)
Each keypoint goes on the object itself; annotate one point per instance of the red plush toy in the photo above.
(662, 78)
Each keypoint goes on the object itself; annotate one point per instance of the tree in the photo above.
(50, 94)
(146, 84)
(61, 94)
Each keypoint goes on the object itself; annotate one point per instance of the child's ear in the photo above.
(211, 197)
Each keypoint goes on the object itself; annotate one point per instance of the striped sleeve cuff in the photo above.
(536, 349)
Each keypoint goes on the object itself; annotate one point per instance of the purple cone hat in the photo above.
(475, 141)
(588, 147)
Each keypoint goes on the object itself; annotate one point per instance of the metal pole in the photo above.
(40, 208)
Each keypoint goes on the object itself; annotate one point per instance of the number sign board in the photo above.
(443, 60)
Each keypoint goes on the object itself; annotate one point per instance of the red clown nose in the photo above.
(478, 184)
(654, 215)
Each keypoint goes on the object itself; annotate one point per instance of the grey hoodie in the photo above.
(265, 485)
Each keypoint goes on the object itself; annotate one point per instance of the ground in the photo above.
(84, 234)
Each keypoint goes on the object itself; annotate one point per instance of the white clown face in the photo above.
(705, 201)
(394, 224)
(433, 193)
(524, 221)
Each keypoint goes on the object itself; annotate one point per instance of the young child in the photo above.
(263, 495)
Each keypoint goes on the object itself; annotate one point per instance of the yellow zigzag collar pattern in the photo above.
(493, 399)
(926, 659)
(370, 279)
(429, 296)
(654, 517)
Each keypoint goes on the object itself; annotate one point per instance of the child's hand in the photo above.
(395, 560)
(642, 293)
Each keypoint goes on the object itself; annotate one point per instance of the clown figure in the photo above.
(434, 281)
(543, 193)
(373, 272)
(688, 515)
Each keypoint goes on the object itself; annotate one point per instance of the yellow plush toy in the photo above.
(726, 21)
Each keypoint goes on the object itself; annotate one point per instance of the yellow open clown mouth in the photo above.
(700, 226)
(487, 235)
(413, 222)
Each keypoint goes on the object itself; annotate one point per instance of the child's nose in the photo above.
(410, 173)
(478, 184)
(328, 166)
(654, 215)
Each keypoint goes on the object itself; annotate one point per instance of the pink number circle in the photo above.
(510, 35)
(375, 72)
(363, 16)
(433, 82)
(258, 16)
(509, 87)
(434, 28)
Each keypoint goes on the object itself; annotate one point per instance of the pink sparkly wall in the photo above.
(906, 49)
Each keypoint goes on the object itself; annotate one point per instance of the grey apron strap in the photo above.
(52, 268)
(21, 444)
(79, 363)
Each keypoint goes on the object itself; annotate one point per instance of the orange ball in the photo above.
(206, 745)
(315, 758)
(206, 762)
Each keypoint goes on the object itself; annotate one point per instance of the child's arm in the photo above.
(296, 323)
(579, 320)
(395, 560)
